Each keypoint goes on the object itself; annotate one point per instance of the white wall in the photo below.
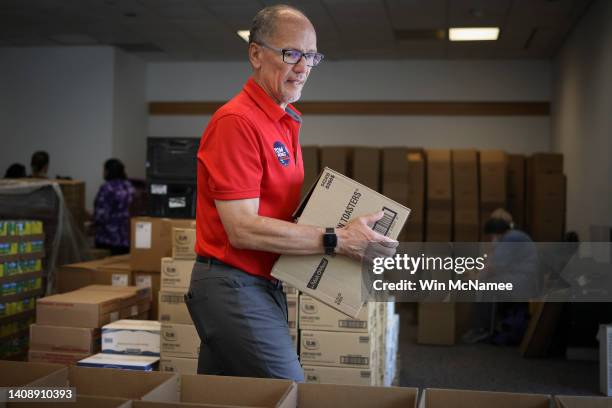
(130, 113)
(582, 118)
(59, 100)
(81, 104)
(372, 81)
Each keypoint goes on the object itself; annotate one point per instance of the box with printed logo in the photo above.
(178, 365)
(172, 308)
(334, 201)
(179, 340)
(292, 311)
(141, 337)
(183, 243)
(336, 349)
(338, 375)
(315, 315)
(175, 274)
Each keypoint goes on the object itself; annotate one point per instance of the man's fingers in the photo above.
(371, 219)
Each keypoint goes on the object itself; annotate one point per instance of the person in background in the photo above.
(39, 164)
(111, 218)
(15, 170)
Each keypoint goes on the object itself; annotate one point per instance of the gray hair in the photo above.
(264, 22)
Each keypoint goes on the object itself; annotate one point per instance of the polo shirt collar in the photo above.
(267, 104)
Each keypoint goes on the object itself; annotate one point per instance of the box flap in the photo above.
(355, 396)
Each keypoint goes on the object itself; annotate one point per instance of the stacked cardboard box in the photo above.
(293, 308)
(465, 196)
(21, 282)
(403, 175)
(180, 342)
(516, 188)
(546, 194)
(443, 323)
(439, 196)
(68, 325)
(335, 348)
(337, 158)
(493, 172)
(366, 166)
(74, 198)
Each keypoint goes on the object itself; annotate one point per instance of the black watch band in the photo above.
(330, 240)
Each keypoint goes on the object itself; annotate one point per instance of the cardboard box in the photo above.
(438, 398)
(152, 281)
(140, 337)
(82, 401)
(336, 158)
(289, 290)
(89, 309)
(337, 349)
(547, 207)
(151, 240)
(172, 308)
(139, 309)
(439, 196)
(315, 315)
(516, 189)
(180, 340)
(148, 386)
(338, 375)
(493, 172)
(465, 196)
(366, 166)
(129, 295)
(238, 391)
(66, 339)
(55, 357)
(121, 361)
(403, 181)
(183, 243)
(178, 365)
(336, 280)
(310, 158)
(292, 311)
(605, 359)
(294, 338)
(24, 374)
(566, 401)
(352, 396)
(545, 163)
(176, 274)
(442, 323)
(106, 271)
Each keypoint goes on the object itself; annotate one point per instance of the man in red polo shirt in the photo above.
(250, 174)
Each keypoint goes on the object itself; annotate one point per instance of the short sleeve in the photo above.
(232, 156)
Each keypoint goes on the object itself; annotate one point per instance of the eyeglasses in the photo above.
(291, 56)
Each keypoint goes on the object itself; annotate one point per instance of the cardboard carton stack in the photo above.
(403, 181)
(337, 158)
(546, 195)
(465, 196)
(335, 348)
(180, 342)
(68, 325)
(516, 189)
(439, 196)
(493, 172)
(366, 166)
(21, 254)
(74, 197)
(152, 240)
(293, 308)
(310, 158)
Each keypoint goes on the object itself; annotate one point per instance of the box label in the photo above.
(143, 281)
(143, 235)
(318, 274)
(119, 279)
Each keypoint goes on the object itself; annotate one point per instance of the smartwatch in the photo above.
(330, 240)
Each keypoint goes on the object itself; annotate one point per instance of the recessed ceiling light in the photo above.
(244, 34)
(473, 33)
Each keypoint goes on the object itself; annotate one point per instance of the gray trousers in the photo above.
(242, 323)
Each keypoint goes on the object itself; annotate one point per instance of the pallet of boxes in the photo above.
(21, 282)
(342, 340)
(68, 325)
(180, 343)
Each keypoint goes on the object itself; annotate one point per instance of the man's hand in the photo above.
(354, 238)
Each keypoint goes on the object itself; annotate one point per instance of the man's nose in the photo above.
(301, 65)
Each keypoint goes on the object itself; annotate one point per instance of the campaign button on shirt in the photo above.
(282, 153)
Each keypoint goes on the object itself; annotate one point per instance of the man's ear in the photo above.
(255, 55)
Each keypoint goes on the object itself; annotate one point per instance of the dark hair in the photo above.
(40, 159)
(15, 170)
(264, 22)
(496, 226)
(114, 169)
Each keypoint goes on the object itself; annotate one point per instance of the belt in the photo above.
(214, 261)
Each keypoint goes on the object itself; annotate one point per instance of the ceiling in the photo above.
(190, 30)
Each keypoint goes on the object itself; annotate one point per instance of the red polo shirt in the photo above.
(250, 149)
